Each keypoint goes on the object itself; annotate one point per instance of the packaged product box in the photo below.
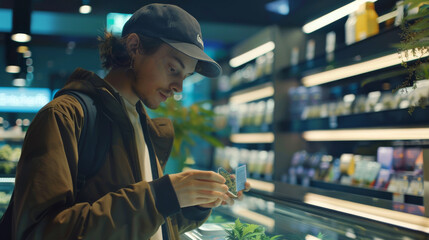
(268, 171)
(416, 186)
(411, 156)
(269, 110)
(399, 183)
(383, 179)
(334, 172)
(398, 159)
(366, 22)
(347, 164)
(385, 157)
(371, 172)
(358, 175)
(324, 165)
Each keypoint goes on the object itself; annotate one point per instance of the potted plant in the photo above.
(415, 41)
(190, 125)
(245, 231)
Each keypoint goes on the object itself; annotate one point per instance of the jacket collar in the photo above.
(161, 130)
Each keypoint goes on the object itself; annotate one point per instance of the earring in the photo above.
(131, 67)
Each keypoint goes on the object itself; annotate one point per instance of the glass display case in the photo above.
(6, 188)
(295, 220)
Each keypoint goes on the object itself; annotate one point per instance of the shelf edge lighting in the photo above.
(252, 94)
(333, 16)
(261, 185)
(252, 138)
(252, 54)
(360, 68)
(257, 217)
(401, 219)
(367, 134)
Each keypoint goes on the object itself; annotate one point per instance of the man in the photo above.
(128, 198)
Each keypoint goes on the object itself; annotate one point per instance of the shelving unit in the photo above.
(390, 118)
(12, 136)
(344, 133)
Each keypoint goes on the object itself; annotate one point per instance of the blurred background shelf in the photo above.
(388, 118)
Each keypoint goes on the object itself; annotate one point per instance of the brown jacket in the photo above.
(115, 203)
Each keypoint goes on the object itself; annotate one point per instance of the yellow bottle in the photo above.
(366, 22)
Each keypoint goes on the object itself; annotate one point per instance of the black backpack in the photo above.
(95, 138)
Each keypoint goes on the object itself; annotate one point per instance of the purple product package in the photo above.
(385, 157)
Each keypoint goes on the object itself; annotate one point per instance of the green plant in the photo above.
(415, 42)
(190, 123)
(245, 231)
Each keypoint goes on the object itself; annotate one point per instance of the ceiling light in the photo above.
(252, 94)
(13, 58)
(22, 49)
(19, 82)
(333, 16)
(252, 54)
(368, 134)
(21, 21)
(360, 68)
(13, 69)
(252, 138)
(21, 37)
(27, 54)
(280, 7)
(85, 9)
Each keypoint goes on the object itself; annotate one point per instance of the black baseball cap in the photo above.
(177, 28)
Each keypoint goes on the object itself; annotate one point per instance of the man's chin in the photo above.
(152, 106)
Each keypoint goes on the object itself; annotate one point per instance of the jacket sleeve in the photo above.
(44, 206)
(191, 217)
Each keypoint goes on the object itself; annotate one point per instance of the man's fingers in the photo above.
(208, 175)
(211, 194)
(240, 195)
(229, 200)
(247, 187)
(212, 186)
(214, 204)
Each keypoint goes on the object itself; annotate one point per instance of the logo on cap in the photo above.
(200, 40)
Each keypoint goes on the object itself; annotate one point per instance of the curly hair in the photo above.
(113, 52)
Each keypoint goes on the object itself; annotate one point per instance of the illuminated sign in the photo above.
(23, 99)
(115, 22)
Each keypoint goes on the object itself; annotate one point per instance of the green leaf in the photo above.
(414, 3)
(250, 229)
(421, 14)
(420, 25)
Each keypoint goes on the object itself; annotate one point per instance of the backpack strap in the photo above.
(94, 140)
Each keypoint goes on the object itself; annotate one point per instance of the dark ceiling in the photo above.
(241, 13)
(249, 12)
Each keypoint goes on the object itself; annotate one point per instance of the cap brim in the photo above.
(206, 66)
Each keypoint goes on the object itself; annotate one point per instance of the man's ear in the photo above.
(132, 44)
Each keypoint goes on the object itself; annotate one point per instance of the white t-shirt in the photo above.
(142, 150)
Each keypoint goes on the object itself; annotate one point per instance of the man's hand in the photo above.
(228, 198)
(203, 188)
